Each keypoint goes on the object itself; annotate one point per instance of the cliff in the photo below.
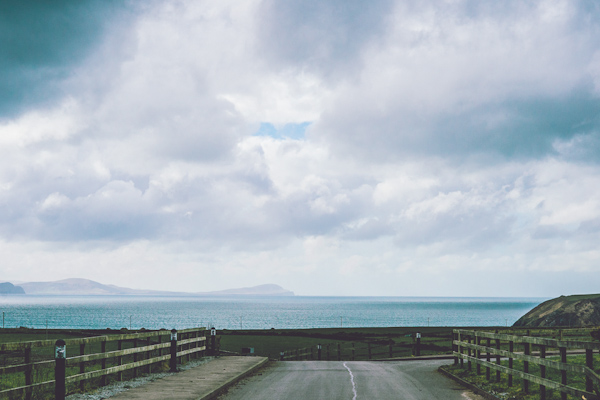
(572, 311)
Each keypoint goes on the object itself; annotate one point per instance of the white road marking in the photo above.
(352, 380)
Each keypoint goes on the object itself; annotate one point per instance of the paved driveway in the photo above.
(351, 380)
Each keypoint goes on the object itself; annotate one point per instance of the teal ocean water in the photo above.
(297, 312)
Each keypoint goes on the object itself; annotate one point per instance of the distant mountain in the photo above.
(9, 288)
(76, 286)
(573, 311)
(260, 290)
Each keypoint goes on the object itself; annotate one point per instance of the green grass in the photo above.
(502, 390)
(270, 343)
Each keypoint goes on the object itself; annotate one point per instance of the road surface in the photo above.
(351, 380)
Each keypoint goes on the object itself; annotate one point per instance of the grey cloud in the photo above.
(40, 43)
(324, 36)
(515, 128)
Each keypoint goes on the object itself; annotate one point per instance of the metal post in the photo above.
(60, 369)
(173, 361)
(281, 355)
(418, 349)
(319, 352)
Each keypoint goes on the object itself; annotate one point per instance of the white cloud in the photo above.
(448, 141)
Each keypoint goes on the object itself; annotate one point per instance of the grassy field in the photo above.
(270, 343)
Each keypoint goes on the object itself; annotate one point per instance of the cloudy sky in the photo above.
(334, 147)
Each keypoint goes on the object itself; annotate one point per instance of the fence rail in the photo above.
(353, 351)
(467, 346)
(95, 357)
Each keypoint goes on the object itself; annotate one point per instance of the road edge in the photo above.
(225, 385)
(468, 385)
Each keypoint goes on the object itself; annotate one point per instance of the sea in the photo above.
(293, 312)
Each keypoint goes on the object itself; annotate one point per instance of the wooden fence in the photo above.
(352, 351)
(468, 346)
(97, 359)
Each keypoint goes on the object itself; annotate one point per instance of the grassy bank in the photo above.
(502, 390)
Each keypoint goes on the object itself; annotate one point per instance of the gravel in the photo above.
(108, 391)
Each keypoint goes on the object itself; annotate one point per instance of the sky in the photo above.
(333, 147)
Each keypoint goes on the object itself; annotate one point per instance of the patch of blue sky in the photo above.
(294, 131)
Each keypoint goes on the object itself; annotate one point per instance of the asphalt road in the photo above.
(351, 380)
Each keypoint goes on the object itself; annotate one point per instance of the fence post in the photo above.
(60, 369)
(478, 353)
(213, 341)
(511, 348)
(526, 351)
(281, 355)
(353, 352)
(497, 359)
(82, 366)
(589, 362)
(28, 372)
(103, 362)
(339, 348)
(454, 347)
(173, 361)
(319, 352)
(120, 360)
(563, 373)
(135, 358)
(487, 358)
(542, 372)
(460, 349)
(418, 348)
(469, 368)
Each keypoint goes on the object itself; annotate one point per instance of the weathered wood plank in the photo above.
(533, 378)
(117, 353)
(190, 351)
(580, 369)
(25, 389)
(15, 346)
(22, 367)
(115, 369)
(571, 344)
(192, 330)
(192, 340)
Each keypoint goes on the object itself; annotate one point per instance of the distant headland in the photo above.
(86, 287)
(573, 311)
